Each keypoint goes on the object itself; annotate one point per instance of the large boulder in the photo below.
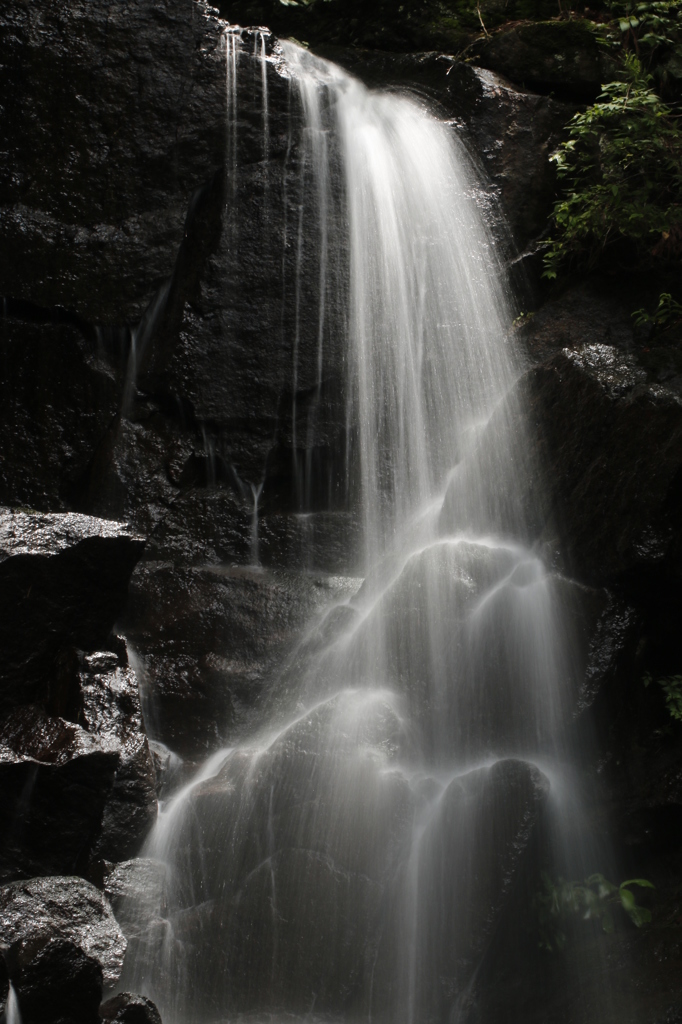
(39, 916)
(63, 583)
(111, 711)
(76, 792)
(59, 984)
(208, 638)
(468, 862)
(611, 445)
(55, 779)
(127, 1008)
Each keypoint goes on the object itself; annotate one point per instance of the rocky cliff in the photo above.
(171, 455)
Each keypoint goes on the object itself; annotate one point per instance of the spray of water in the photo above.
(345, 858)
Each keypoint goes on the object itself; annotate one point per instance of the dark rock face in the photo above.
(353, 874)
(135, 889)
(59, 984)
(497, 810)
(612, 445)
(584, 315)
(209, 638)
(55, 782)
(63, 582)
(75, 793)
(126, 1008)
(56, 403)
(111, 119)
(41, 911)
(563, 57)
(111, 711)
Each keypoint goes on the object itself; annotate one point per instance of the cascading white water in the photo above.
(345, 857)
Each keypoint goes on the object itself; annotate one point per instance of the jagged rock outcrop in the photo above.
(78, 779)
(209, 638)
(38, 911)
(63, 582)
(73, 794)
(111, 711)
(54, 781)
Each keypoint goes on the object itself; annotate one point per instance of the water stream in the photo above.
(352, 856)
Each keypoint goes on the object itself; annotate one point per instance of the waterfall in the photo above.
(349, 857)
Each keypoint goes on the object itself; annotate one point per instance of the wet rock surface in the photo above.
(111, 119)
(40, 911)
(63, 582)
(126, 1008)
(135, 889)
(75, 793)
(209, 638)
(612, 444)
(511, 130)
(497, 809)
(59, 983)
(111, 711)
(55, 782)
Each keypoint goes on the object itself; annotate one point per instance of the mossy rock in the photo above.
(563, 57)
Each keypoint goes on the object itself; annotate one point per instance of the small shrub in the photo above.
(621, 169)
(672, 689)
(595, 899)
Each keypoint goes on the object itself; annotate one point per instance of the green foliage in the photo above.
(621, 169)
(668, 313)
(672, 688)
(595, 899)
(523, 318)
(646, 27)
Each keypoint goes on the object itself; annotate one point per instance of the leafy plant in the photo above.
(649, 25)
(621, 169)
(595, 899)
(672, 688)
(668, 313)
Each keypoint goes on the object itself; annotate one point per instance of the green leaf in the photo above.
(640, 916)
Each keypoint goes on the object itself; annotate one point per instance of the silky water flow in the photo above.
(352, 856)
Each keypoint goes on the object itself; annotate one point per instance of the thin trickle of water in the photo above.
(233, 44)
(12, 1011)
(256, 490)
(260, 44)
(345, 855)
